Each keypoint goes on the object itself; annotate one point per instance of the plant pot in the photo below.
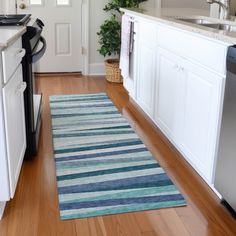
(113, 72)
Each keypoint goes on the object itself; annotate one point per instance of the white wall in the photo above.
(97, 16)
(185, 4)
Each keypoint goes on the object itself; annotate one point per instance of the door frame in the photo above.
(12, 8)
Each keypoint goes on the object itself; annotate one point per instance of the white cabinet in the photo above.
(181, 89)
(187, 109)
(12, 119)
(146, 63)
(169, 99)
(202, 95)
(13, 100)
(146, 77)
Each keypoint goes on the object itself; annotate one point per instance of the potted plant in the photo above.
(110, 37)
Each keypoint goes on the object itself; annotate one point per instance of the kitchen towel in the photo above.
(125, 46)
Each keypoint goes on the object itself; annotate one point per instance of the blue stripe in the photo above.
(99, 154)
(129, 183)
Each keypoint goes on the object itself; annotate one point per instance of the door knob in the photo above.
(22, 6)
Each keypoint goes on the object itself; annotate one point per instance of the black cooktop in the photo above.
(11, 20)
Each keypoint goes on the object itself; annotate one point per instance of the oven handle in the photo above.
(36, 56)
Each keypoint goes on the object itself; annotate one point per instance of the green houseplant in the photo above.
(110, 36)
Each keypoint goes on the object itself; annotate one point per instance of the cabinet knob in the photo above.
(21, 53)
(21, 88)
(22, 6)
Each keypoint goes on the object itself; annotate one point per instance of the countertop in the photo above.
(162, 16)
(10, 34)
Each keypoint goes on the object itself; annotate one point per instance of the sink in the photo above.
(210, 24)
(226, 27)
(195, 21)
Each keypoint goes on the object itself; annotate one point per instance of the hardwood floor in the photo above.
(34, 210)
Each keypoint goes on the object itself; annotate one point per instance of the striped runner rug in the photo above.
(102, 166)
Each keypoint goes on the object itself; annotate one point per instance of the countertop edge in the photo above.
(12, 39)
(192, 28)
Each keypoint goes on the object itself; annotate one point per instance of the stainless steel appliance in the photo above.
(12, 20)
(226, 164)
(35, 46)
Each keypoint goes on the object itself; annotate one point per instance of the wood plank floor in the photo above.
(34, 210)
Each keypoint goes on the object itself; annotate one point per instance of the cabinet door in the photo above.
(15, 125)
(202, 112)
(146, 76)
(169, 96)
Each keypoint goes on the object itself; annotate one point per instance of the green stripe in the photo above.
(124, 194)
(123, 209)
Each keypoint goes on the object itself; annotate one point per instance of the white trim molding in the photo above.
(97, 69)
(85, 36)
(2, 208)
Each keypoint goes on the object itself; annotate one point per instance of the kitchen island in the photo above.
(177, 77)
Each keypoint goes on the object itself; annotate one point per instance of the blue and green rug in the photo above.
(102, 166)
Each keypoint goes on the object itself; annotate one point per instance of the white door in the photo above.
(62, 31)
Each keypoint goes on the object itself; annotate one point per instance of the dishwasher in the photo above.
(225, 176)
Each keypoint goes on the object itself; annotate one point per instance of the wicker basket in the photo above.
(113, 73)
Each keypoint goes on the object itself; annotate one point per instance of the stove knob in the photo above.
(22, 6)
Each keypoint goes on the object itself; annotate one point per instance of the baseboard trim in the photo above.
(97, 69)
(2, 208)
(56, 74)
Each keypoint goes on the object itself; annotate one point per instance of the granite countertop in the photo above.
(9, 35)
(163, 16)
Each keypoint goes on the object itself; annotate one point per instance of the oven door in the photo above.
(33, 99)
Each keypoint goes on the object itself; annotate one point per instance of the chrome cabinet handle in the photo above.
(132, 20)
(21, 53)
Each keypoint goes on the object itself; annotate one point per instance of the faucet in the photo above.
(225, 5)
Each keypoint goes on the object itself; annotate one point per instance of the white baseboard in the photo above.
(2, 207)
(97, 69)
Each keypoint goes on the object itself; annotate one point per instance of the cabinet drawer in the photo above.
(194, 47)
(11, 58)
